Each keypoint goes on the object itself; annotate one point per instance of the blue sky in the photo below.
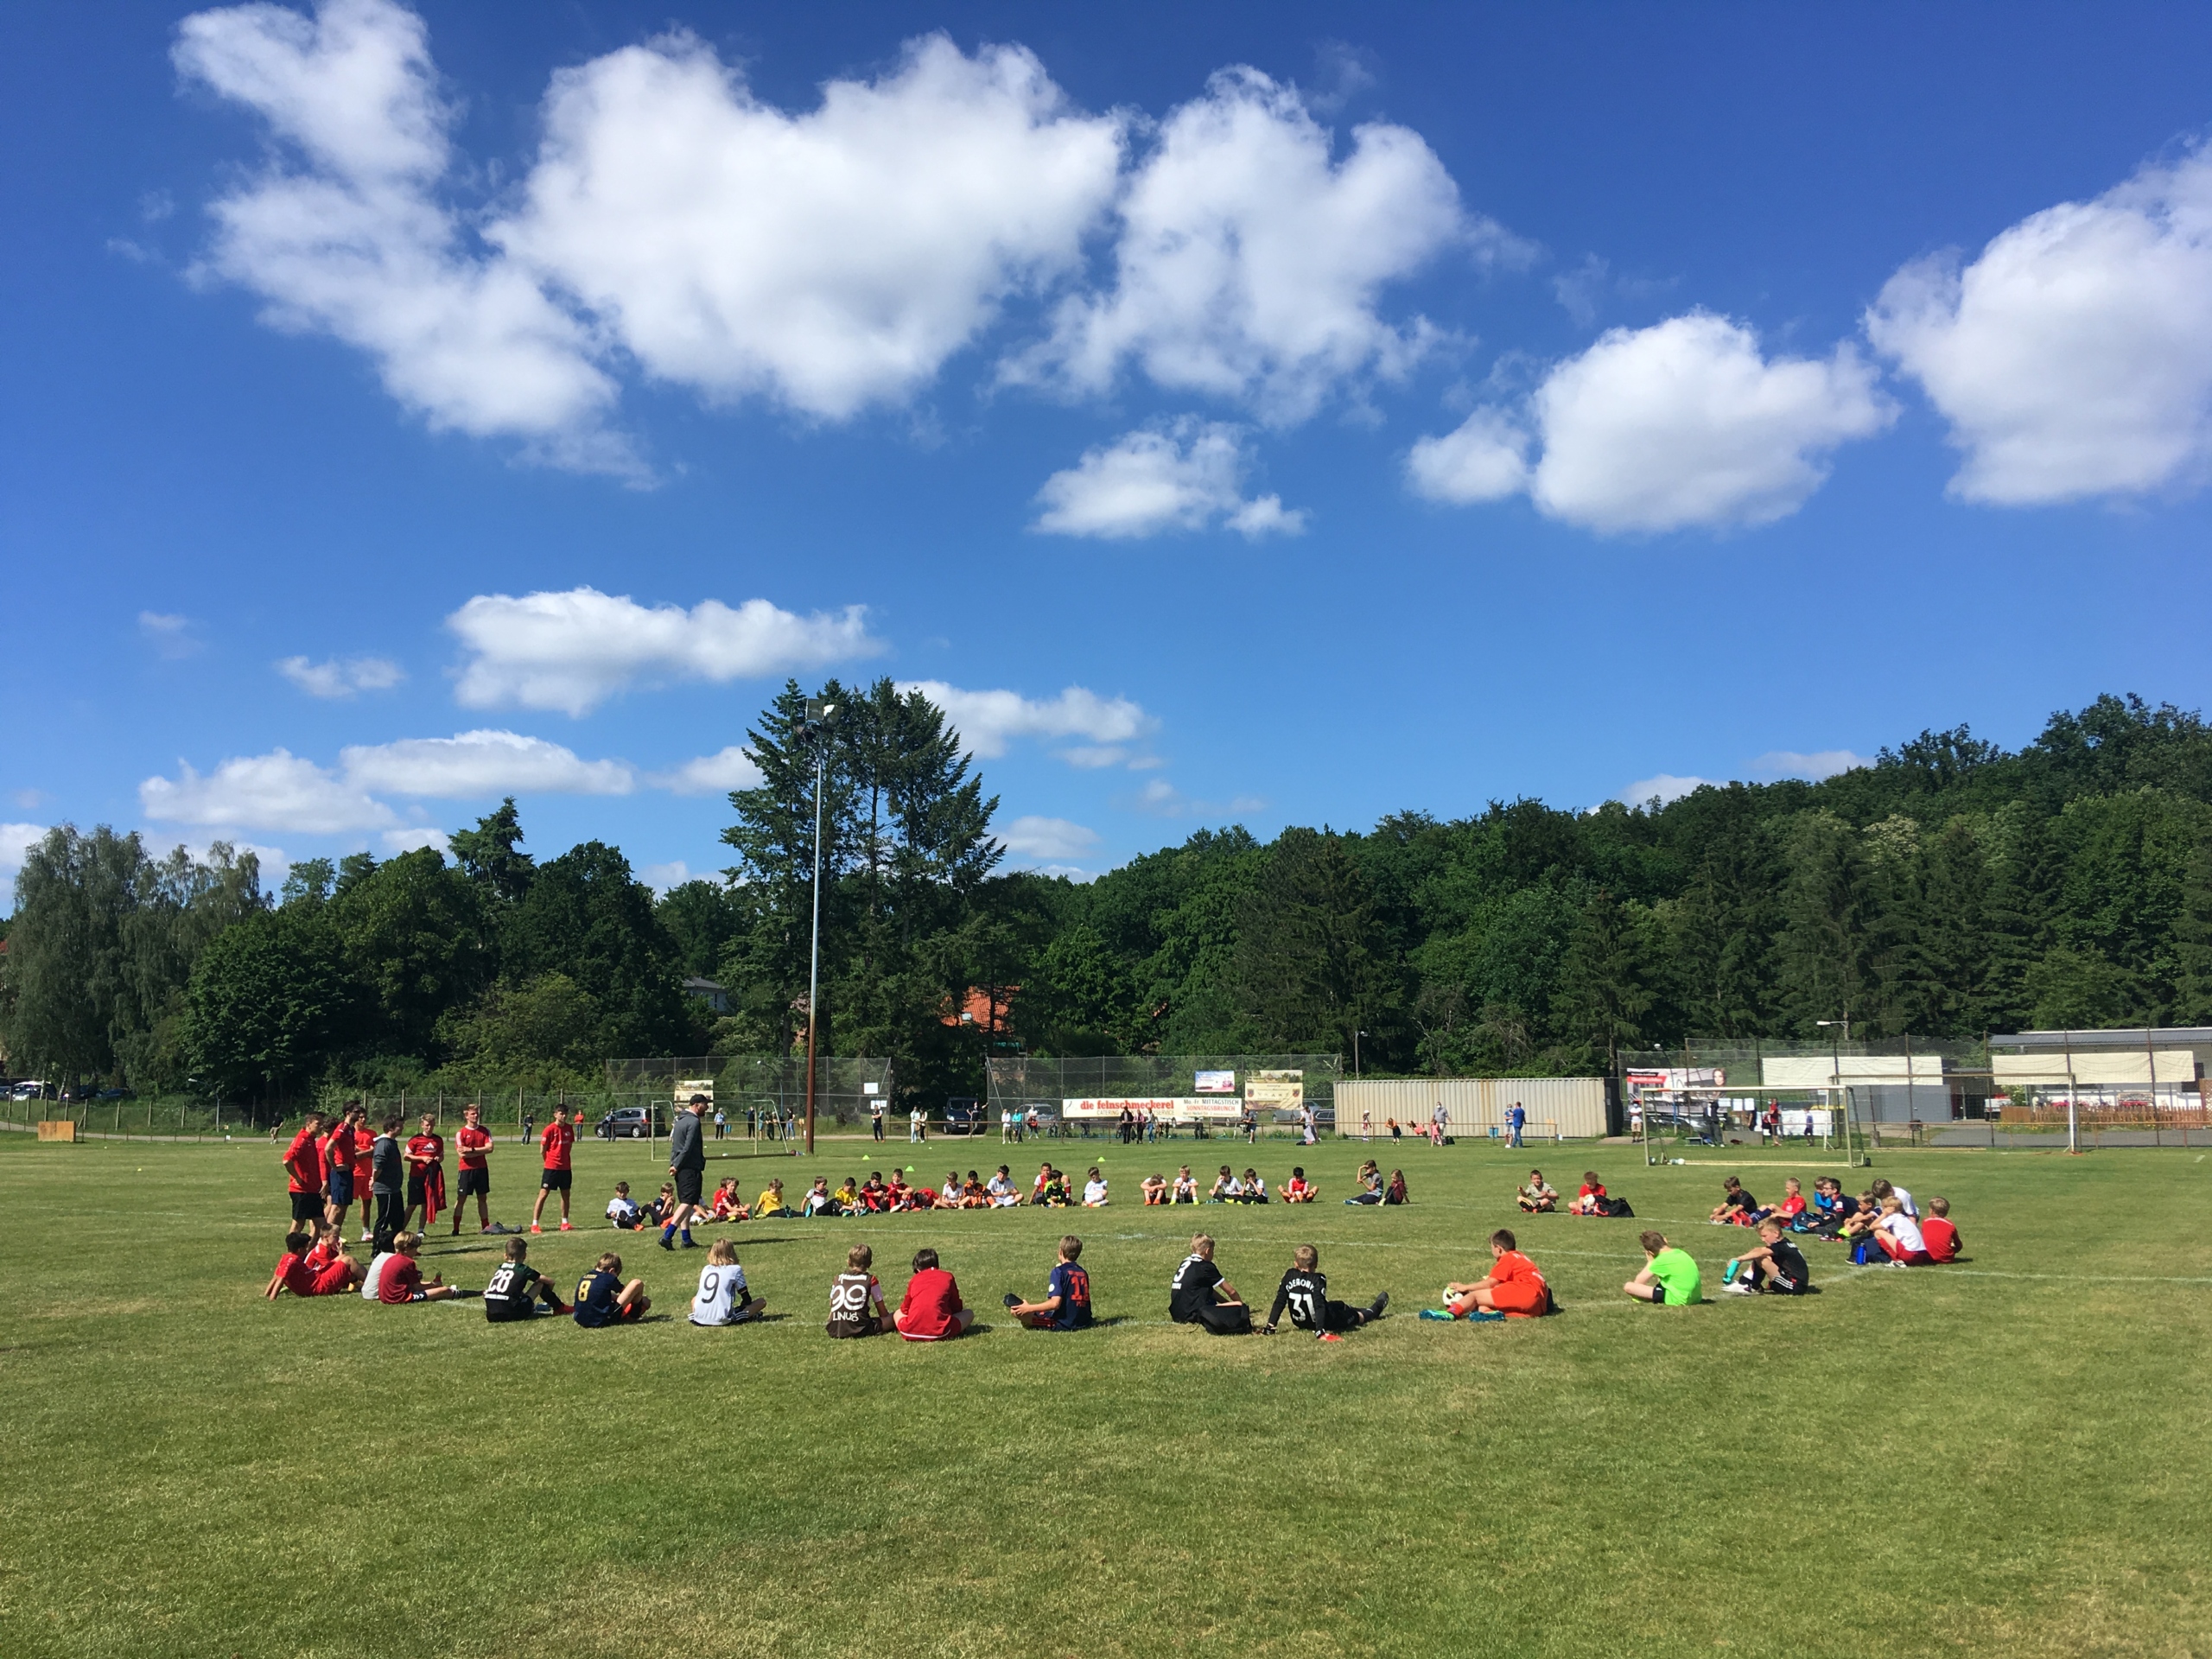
(1274, 415)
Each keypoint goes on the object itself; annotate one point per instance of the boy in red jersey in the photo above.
(299, 1273)
(426, 1172)
(1937, 1235)
(403, 1278)
(559, 1141)
(303, 1171)
(474, 1142)
(1513, 1285)
(932, 1309)
(338, 1168)
(365, 1166)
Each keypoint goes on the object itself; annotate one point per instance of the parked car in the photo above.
(30, 1090)
(963, 1116)
(113, 1094)
(633, 1124)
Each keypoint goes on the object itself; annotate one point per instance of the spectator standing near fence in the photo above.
(721, 1124)
(1515, 1120)
(875, 1118)
(687, 1167)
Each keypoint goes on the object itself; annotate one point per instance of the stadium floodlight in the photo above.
(814, 728)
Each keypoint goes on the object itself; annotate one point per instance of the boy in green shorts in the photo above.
(1670, 1277)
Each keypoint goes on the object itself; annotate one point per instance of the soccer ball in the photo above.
(1446, 1296)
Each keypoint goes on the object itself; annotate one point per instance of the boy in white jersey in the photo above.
(723, 1297)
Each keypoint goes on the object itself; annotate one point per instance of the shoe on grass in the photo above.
(1375, 1308)
(535, 1228)
(1435, 1313)
(1331, 1336)
(1741, 1287)
(1013, 1300)
(566, 1228)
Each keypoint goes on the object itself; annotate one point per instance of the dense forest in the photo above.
(1951, 888)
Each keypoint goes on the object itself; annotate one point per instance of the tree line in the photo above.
(1948, 889)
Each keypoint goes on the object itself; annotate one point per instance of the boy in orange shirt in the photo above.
(1512, 1288)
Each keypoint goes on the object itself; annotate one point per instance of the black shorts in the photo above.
(556, 1180)
(473, 1181)
(417, 1190)
(511, 1310)
(338, 1186)
(1781, 1285)
(307, 1206)
(688, 1182)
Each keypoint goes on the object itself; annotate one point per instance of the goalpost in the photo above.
(1841, 1131)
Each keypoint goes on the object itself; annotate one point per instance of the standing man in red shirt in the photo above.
(474, 1142)
(303, 1170)
(426, 1172)
(338, 1170)
(931, 1311)
(559, 1140)
(365, 1164)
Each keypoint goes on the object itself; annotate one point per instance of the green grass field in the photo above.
(2007, 1456)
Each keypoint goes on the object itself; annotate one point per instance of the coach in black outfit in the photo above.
(687, 1167)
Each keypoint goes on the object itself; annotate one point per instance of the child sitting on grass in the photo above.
(1793, 1201)
(856, 1306)
(1154, 1188)
(1396, 1193)
(1004, 1194)
(1668, 1277)
(1256, 1187)
(770, 1205)
(1774, 1266)
(1370, 1184)
(848, 1196)
(1304, 1292)
(875, 1198)
(1094, 1191)
(403, 1280)
(1829, 1211)
(974, 1195)
(1512, 1288)
(1225, 1188)
(1539, 1197)
(1066, 1306)
(723, 1297)
(1737, 1208)
(1185, 1189)
(1900, 1237)
(1053, 1192)
(294, 1274)
(1937, 1233)
(1590, 1198)
(818, 1200)
(517, 1290)
(603, 1299)
(1298, 1189)
(622, 1209)
(896, 1193)
(932, 1309)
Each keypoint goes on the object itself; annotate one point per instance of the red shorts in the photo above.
(1520, 1297)
(1897, 1252)
(338, 1276)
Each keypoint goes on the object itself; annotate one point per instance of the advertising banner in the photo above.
(1184, 1109)
(1674, 1079)
(1216, 1083)
(1285, 1090)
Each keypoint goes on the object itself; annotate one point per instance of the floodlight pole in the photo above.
(819, 716)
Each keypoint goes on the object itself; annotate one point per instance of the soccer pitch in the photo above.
(2004, 1456)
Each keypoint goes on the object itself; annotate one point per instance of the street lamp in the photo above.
(1355, 1036)
(815, 728)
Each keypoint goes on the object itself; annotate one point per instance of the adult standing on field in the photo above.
(303, 1171)
(687, 1167)
(1516, 1120)
(559, 1142)
(473, 1143)
(387, 1183)
(876, 1117)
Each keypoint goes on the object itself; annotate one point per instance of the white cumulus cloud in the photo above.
(832, 259)
(1048, 840)
(172, 636)
(344, 234)
(2073, 356)
(1681, 424)
(337, 678)
(1185, 476)
(1824, 763)
(410, 840)
(1660, 789)
(988, 720)
(719, 773)
(15, 840)
(277, 791)
(572, 651)
(1250, 261)
(481, 763)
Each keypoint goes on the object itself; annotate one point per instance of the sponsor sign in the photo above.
(1216, 1083)
(1184, 1109)
(1285, 1090)
(1674, 1079)
(684, 1090)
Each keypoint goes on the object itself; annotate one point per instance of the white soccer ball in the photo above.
(1446, 1296)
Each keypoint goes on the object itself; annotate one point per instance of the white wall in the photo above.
(1570, 1107)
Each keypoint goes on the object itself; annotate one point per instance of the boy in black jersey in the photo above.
(1775, 1265)
(1199, 1295)
(518, 1289)
(1305, 1291)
